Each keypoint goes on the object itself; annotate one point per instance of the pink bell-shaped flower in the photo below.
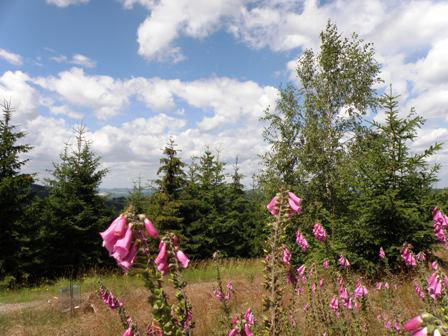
(109, 237)
(150, 228)
(120, 228)
(182, 258)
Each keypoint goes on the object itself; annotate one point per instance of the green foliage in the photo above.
(17, 230)
(74, 214)
(391, 188)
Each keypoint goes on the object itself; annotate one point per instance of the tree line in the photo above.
(358, 177)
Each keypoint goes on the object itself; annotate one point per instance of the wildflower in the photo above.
(378, 285)
(247, 330)
(382, 255)
(272, 206)
(419, 291)
(249, 317)
(413, 324)
(360, 291)
(123, 245)
(218, 294)
(408, 257)
(293, 201)
(233, 332)
(162, 258)
(334, 304)
(344, 262)
(188, 320)
(434, 265)
(388, 325)
(127, 262)
(386, 285)
(128, 332)
(421, 256)
(286, 256)
(230, 286)
(434, 286)
(397, 326)
(319, 232)
(109, 237)
(150, 228)
(301, 271)
(301, 241)
(182, 258)
(325, 264)
(321, 283)
(343, 294)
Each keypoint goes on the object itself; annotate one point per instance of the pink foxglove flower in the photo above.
(127, 262)
(301, 241)
(319, 232)
(182, 258)
(150, 228)
(123, 245)
(361, 291)
(344, 262)
(408, 257)
(421, 256)
(301, 271)
(419, 291)
(273, 206)
(334, 304)
(386, 285)
(247, 331)
(233, 332)
(230, 286)
(128, 332)
(109, 237)
(286, 256)
(434, 265)
(249, 317)
(379, 285)
(325, 264)
(294, 203)
(162, 258)
(434, 286)
(120, 227)
(413, 324)
(382, 255)
(218, 294)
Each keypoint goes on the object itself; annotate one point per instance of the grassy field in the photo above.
(246, 276)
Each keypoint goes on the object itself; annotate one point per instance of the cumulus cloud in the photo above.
(76, 59)
(14, 59)
(66, 3)
(170, 19)
(105, 95)
(15, 88)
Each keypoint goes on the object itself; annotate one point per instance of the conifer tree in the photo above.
(15, 188)
(392, 198)
(75, 213)
(165, 206)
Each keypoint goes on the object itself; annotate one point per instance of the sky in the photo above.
(136, 72)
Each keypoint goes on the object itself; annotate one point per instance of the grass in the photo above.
(246, 275)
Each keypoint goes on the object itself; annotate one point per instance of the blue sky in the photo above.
(136, 72)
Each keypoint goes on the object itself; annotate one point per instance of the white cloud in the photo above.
(76, 59)
(105, 95)
(170, 19)
(65, 110)
(66, 3)
(14, 59)
(15, 88)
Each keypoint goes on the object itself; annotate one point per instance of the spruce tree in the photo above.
(75, 213)
(15, 188)
(165, 205)
(392, 198)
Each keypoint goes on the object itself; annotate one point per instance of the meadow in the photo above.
(245, 275)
